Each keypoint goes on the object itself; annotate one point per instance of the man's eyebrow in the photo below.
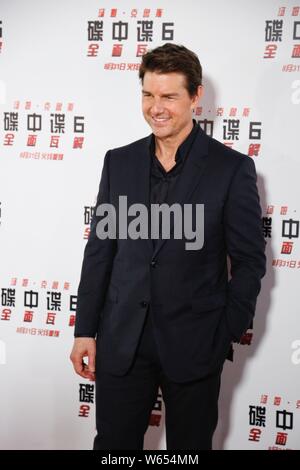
(170, 94)
(163, 95)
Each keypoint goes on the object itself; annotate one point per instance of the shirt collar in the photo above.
(184, 147)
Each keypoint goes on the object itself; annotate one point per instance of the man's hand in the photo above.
(84, 347)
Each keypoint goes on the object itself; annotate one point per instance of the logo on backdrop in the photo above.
(237, 124)
(285, 222)
(45, 131)
(277, 31)
(277, 413)
(126, 34)
(38, 308)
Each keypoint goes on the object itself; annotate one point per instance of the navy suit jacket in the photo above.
(197, 311)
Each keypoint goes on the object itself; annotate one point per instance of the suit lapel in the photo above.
(140, 189)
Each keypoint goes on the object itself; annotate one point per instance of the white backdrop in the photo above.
(65, 99)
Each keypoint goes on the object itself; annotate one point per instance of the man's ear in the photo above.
(198, 95)
(200, 92)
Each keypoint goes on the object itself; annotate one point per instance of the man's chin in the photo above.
(160, 132)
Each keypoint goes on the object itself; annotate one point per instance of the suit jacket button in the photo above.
(144, 304)
(153, 263)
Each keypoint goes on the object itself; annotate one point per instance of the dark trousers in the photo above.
(124, 404)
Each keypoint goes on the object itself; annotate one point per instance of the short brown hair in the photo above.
(174, 58)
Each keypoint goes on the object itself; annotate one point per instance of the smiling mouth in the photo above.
(159, 120)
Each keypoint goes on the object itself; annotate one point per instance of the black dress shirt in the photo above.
(162, 182)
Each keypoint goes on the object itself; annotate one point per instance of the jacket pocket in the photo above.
(209, 302)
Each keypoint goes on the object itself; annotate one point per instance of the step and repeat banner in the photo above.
(69, 91)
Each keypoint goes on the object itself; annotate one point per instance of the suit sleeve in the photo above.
(96, 268)
(245, 247)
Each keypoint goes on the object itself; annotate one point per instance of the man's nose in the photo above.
(157, 107)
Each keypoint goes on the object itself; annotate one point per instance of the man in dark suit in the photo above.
(163, 312)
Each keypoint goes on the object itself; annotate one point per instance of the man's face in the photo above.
(167, 105)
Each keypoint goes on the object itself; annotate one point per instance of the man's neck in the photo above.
(165, 149)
